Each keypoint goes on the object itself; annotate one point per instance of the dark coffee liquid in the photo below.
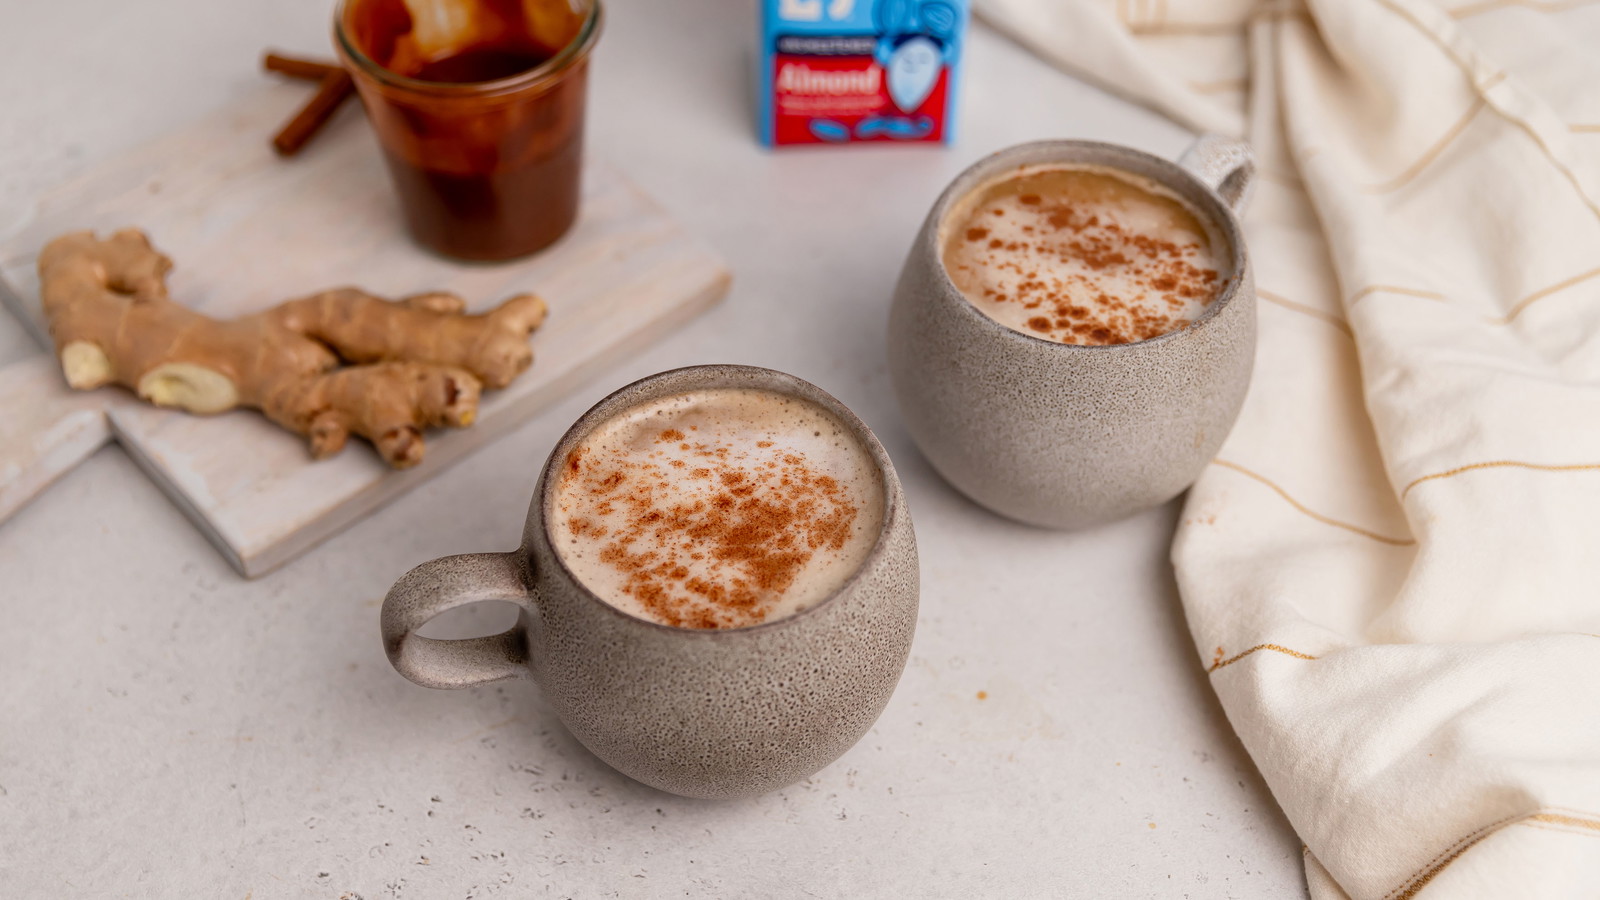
(496, 215)
(481, 64)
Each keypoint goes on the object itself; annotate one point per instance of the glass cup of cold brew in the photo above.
(478, 107)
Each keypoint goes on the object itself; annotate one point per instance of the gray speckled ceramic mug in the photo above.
(1062, 435)
(699, 713)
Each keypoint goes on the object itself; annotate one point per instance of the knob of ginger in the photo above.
(325, 366)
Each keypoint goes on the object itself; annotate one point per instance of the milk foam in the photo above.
(1083, 255)
(718, 508)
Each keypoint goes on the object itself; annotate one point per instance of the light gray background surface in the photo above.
(168, 730)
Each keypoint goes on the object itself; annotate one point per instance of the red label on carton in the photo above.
(853, 93)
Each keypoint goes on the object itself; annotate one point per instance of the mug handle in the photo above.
(1224, 164)
(445, 583)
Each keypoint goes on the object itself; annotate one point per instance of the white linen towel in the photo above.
(1392, 569)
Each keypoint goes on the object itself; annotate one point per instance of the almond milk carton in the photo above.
(848, 71)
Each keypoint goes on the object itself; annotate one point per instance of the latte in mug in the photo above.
(1036, 252)
(636, 573)
(1083, 255)
(717, 508)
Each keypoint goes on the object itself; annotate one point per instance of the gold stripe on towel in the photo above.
(1286, 303)
(1500, 464)
(1276, 648)
(1445, 857)
(1516, 309)
(1431, 869)
(1432, 153)
(1549, 6)
(1538, 295)
(1468, 71)
(1569, 818)
(1265, 13)
(1356, 529)
(1371, 289)
(1562, 823)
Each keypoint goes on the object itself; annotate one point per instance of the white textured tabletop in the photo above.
(168, 730)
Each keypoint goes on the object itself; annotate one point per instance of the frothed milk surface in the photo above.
(1082, 255)
(717, 509)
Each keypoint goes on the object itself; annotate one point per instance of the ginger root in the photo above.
(324, 366)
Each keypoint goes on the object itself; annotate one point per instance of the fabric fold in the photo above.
(1390, 569)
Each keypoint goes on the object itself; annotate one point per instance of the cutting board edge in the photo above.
(170, 489)
(11, 299)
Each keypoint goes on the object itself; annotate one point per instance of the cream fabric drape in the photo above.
(1392, 569)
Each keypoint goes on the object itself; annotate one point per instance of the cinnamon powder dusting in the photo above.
(1083, 256)
(713, 530)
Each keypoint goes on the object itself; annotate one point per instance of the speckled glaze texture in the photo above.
(1067, 436)
(711, 714)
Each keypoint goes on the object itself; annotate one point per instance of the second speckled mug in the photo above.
(1063, 435)
(710, 714)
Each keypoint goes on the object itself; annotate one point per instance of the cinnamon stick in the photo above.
(297, 68)
(334, 88)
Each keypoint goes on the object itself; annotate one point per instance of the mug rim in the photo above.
(975, 175)
(573, 52)
(612, 404)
